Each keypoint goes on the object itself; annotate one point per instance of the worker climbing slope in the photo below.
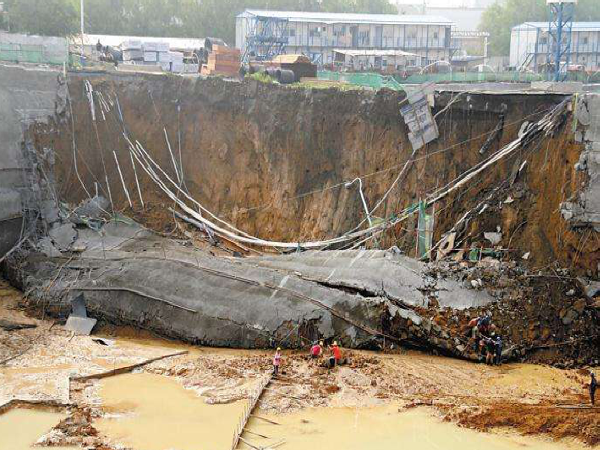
(276, 362)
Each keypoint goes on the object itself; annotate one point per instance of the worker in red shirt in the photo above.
(316, 350)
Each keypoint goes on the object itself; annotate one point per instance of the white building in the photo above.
(317, 35)
(529, 45)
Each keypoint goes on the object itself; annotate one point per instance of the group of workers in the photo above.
(480, 329)
(485, 340)
(317, 351)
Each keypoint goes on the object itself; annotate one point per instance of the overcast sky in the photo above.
(450, 3)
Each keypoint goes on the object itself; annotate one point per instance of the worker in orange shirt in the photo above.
(336, 355)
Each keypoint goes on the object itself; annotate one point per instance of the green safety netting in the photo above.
(365, 79)
(378, 81)
(36, 54)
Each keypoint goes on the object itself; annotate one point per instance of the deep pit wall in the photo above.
(28, 96)
(250, 149)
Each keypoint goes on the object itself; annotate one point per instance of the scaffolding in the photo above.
(266, 38)
(560, 27)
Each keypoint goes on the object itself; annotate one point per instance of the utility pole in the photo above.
(82, 21)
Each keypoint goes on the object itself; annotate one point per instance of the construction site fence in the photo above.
(20, 48)
(378, 81)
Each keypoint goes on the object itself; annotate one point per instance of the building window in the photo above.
(435, 35)
(543, 40)
(364, 38)
(292, 32)
(585, 41)
(340, 31)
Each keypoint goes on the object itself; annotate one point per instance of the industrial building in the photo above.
(264, 34)
(530, 42)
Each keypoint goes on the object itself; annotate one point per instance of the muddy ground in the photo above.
(530, 399)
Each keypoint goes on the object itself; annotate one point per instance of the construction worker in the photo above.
(276, 361)
(316, 350)
(490, 349)
(498, 356)
(593, 385)
(336, 355)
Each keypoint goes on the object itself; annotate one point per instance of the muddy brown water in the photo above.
(383, 428)
(154, 412)
(21, 428)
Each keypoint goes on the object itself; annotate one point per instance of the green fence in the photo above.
(365, 79)
(378, 81)
(17, 51)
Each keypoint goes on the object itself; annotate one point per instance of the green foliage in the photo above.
(43, 17)
(176, 18)
(261, 77)
(501, 17)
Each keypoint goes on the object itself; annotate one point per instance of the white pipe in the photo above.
(122, 180)
(362, 197)
(139, 155)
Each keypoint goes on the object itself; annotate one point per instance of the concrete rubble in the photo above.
(362, 298)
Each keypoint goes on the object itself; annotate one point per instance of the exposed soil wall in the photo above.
(255, 153)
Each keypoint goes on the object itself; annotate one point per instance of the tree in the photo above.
(177, 18)
(43, 17)
(499, 19)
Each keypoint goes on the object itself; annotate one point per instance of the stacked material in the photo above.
(223, 61)
(299, 64)
(156, 52)
(137, 52)
(132, 51)
(176, 60)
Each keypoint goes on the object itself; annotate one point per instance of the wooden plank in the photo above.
(272, 422)
(126, 369)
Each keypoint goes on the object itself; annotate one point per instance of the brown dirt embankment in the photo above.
(268, 157)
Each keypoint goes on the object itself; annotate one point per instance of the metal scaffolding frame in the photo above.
(560, 28)
(266, 38)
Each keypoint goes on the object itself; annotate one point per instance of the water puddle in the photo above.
(158, 413)
(381, 428)
(21, 428)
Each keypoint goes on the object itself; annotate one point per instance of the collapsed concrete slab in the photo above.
(133, 276)
(371, 299)
(378, 273)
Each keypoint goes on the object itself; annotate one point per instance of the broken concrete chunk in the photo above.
(49, 211)
(94, 209)
(80, 325)
(46, 246)
(526, 256)
(493, 237)
(78, 306)
(63, 236)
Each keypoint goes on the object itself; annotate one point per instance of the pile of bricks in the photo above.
(222, 61)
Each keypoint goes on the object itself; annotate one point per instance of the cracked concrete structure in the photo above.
(585, 209)
(378, 273)
(27, 97)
